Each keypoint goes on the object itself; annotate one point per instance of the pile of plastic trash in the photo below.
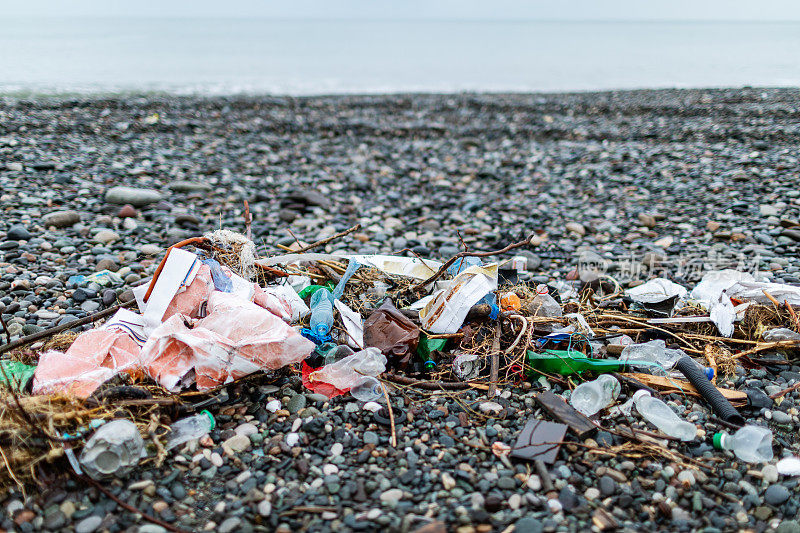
(358, 325)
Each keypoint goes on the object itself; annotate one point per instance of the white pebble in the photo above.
(372, 407)
(296, 424)
(490, 408)
(337, 449)
(591, 494)
(264, 508)
(534, 483)
(554, 506)
(292, 439)
(330, 469)
(273, 406)
(790, 466)
(514, 501)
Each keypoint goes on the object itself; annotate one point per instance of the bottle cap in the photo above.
(210, 417)
(639, 393)
(717, 440)
(710, 373)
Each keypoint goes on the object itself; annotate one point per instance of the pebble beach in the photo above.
(643, 182)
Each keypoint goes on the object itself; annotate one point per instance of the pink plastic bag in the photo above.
(237, 338)
(95, 357)
(273, 303)
(174, 350)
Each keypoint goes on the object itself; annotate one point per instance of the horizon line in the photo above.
(406, 19)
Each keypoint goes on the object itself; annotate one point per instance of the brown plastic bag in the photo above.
(392, 333)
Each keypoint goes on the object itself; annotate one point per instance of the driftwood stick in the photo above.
(248, 220)
(495, 361)
(326, 240)
(459, 255)
(63, 327)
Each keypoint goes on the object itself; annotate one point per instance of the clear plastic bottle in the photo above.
(543, 304)
(592, 396)
(321, 312)
(190, 428)
(662, 416)
(366, 390)
(113, 450)
(752, 444)
(347, 372)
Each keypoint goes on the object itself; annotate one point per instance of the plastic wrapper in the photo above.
(95, 357)
(652, 352)
(235, 339)
(392, 333)
(114, 450)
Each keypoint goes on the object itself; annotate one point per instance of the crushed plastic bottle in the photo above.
(367, 390)
(593, 396)
(752, 444)
(190, 428)
(461, 264)
(543, 304)
(113, 450)
(662, 416)
(348, 372)
(321, 312)
(780, 334)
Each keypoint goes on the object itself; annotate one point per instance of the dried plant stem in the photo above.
(459, 255)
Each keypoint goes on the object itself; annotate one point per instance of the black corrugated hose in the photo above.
(694, 373)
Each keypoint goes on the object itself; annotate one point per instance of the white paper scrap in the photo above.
(352, 324)
(446, 312)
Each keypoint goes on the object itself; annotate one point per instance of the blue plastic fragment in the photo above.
(221, 281)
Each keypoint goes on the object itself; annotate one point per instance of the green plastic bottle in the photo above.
(569, 362)
(425, 347)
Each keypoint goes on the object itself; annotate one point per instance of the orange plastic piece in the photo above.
(510, 302)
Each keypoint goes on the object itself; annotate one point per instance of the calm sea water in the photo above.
(318, 57)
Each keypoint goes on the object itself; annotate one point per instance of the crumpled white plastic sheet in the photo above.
(656, 290)
(715, 290)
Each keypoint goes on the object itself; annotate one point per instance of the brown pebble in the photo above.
(127, 211)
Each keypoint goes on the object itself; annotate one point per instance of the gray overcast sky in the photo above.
(773, 10)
